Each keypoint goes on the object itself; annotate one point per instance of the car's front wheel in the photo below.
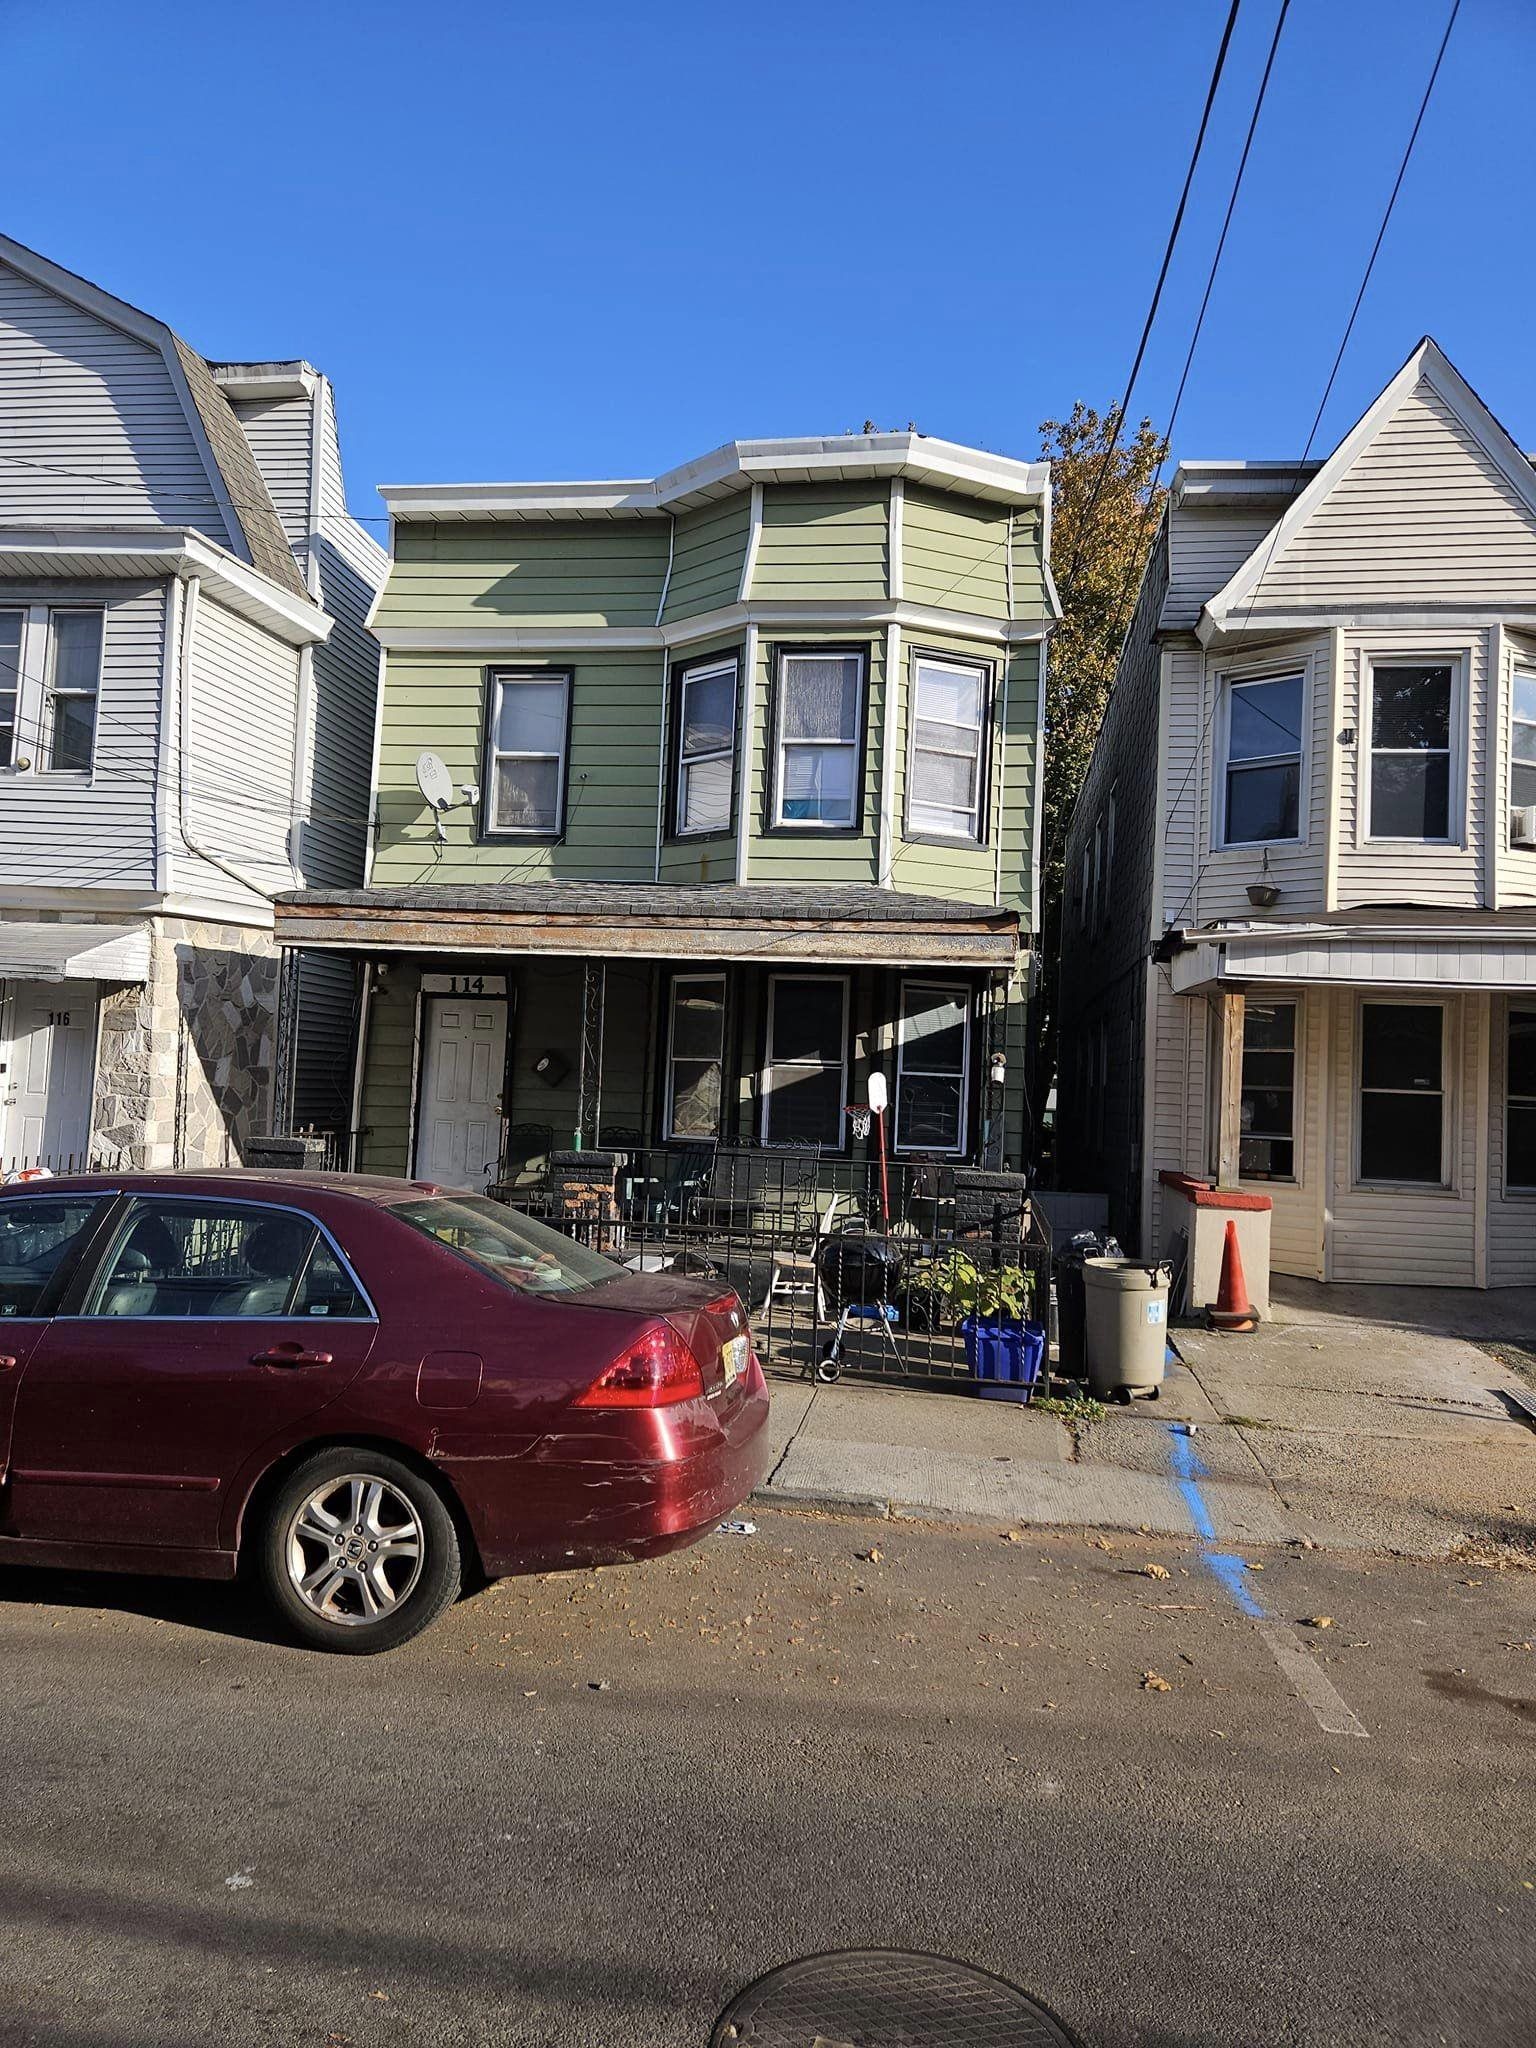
(358, 1552)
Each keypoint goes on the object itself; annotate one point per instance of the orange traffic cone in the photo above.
(1232, 1310)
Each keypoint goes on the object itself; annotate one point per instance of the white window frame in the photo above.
(1522, 1188)
(669, 1134)
(52, 695)
(1449, 1054)
(975, 833)
(1365, 753)
(698, 672)
(15, 685)
(498, 680)
(943, 988)
(765, 1076)
(1293, 1136)
(1228, 681)
(855, 746)
(1521, 672)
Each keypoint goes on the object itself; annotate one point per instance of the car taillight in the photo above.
(654, 1370)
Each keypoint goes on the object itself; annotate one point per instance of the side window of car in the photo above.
(37, 1235)
(327, 1288)
(193, 1258)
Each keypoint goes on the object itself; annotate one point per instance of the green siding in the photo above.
(822, 541)
(547, 1018)
(966, 873)
(1020, 795)
(560, 572)
(386, 1108)
(788, 856)
(955, 553)
(709, 551)
(712, 859)
(437, 702)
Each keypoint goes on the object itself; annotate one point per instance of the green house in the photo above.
(698, 800)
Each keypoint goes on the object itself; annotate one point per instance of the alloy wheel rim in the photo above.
(355, 1548)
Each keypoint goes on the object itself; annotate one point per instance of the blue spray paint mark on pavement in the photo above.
(1231, 1571)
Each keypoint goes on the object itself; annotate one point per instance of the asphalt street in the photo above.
(588, 1809)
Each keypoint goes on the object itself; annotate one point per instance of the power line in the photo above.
(118, 483)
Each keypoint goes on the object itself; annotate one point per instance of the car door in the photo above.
(42, 1238)
(207, 1329)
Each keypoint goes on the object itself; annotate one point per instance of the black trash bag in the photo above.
(1071, 1297)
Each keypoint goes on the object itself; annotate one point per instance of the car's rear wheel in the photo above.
(358, 1552)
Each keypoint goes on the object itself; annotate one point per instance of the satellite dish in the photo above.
(434, 781)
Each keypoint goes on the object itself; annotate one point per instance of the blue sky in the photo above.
(598, 239)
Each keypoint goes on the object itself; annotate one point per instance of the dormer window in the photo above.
(1261, 783)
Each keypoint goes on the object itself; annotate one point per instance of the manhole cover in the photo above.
(885, 1998)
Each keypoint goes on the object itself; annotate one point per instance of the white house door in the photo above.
(458, 1124)
(49, 1050)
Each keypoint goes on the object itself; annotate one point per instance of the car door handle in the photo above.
(290, 1354)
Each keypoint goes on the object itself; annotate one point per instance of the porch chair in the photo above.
(796, 1274)
(524, 1158)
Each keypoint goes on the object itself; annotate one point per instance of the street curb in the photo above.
(853, 1506)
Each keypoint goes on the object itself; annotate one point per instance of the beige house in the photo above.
(1299, 954)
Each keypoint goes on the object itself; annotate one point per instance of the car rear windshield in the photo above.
(526, 1254)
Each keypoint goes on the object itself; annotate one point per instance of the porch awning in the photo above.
(74, 952)
(1469, 956)
(855, 925)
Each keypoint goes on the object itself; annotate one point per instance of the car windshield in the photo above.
(524, 1253)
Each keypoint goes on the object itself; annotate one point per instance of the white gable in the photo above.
(82, 396)
(1426, 503)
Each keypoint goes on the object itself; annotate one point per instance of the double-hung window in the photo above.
(1266, 1147)
(805, 1078)
(706, 746)
(820, 721)
(1520, 1102)
(1522, 745)
(946, 759)
(1402, 1092)
(526, 764)
(74, 680)
(1263, 769)
(11, 624)
(933, 1071)
(1411, 750)
(695, 1056)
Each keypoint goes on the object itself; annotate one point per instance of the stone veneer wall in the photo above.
(184, 1066)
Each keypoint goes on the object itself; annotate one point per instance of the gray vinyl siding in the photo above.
(1423, 512)
(1206, 548)
(79, 395)
(239, 772)
(709, 551)
(97, 830)
(281, 434)
(344, 671)
(325, 1040)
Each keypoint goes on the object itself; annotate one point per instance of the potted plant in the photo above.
(1003, 1348)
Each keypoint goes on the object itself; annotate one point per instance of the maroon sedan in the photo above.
(365, 1389)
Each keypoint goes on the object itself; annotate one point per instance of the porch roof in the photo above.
(852, 925)
(1432, 950)
(116, 953)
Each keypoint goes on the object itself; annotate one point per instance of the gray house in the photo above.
(1299, 952)
(187, 701)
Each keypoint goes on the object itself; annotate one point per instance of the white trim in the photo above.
(674, 983)
(764, 1088)
(1334, 774)
(1450, 1059)
(1478, 1015)
(1457, 822)
(894, 525)
(894, 705)
(666, 581)
(984, 672)
(725, 663)
(857, 748)
(996, 796)
(496, 682)
(966, 995)
(1008, 566)
(163, 794)
(371, 832)
(746, 808)
(754, 542)
(1428, 364)
(780, 614)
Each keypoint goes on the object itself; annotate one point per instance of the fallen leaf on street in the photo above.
(871, 1556)
(1151, 1682)
(1318, 1621)
(1013, 1535)
(1155, 1571)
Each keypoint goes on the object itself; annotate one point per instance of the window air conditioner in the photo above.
(1522, 825)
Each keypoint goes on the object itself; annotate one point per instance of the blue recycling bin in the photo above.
(1005, 1357)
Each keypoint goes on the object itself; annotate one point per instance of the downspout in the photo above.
(661, 752)
(184, 747)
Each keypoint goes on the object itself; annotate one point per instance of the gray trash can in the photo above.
(1127, 1326)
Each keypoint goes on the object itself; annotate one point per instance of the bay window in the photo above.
(1262, 777)
(818, 744)
(1410, 765)
(706, 746)
(527, 749)
(695, 1056)
(945, 756)
(805, 1071)
(1522, 745)
(1402, 1092)
(933, 1067)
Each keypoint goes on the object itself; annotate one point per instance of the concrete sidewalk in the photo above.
(1352, 1436)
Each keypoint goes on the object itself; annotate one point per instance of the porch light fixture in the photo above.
(999, 1069)
(551, 1068)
